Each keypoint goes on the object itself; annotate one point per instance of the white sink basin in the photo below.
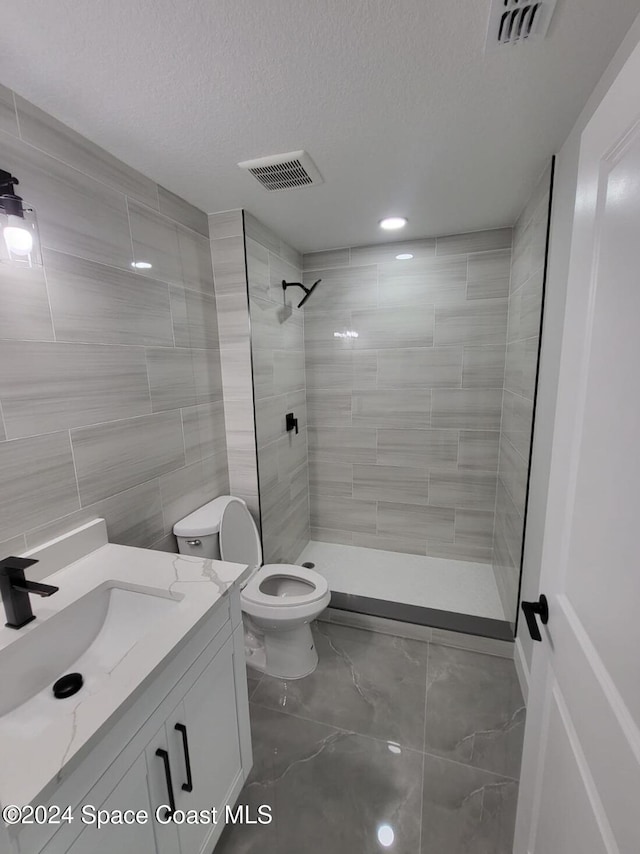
(90, 636)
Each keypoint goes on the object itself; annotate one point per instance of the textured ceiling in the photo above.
(394, 100)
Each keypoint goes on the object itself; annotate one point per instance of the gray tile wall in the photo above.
(404, 419)
(262, 350)
(523, 328)
(277, 345)
(110, 383)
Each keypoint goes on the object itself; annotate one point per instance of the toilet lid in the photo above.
(239, 537)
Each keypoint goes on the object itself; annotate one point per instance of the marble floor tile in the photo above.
(475, 712)
(365, 682)
(329, 790)
(334, 753)
(466, 810)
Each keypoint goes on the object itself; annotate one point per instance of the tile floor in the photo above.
(391, 745)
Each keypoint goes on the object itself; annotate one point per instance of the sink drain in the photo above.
(309, 565)
(67, 685)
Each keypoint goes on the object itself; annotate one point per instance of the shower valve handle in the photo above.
(291, 422)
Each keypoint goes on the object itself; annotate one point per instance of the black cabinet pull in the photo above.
(188, 786)
(167, 773)
(533, 609)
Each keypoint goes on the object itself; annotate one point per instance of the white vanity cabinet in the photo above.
(197, 753)
(191, 726)
(132, 791)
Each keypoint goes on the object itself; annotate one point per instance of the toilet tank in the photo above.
(197, 533)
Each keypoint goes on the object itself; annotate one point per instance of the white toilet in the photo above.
(279, 600)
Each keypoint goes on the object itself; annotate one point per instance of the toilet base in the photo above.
(285, 654)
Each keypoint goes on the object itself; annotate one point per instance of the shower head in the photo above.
(307, 291)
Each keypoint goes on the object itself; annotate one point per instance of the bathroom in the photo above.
(281, 438)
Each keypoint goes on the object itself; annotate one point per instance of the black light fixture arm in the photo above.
(307, 291)
(10, 203)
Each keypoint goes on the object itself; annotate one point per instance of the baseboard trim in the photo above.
(398, 628)
(522, 669)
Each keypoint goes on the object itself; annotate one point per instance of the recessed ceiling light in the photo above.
(404, 256)
(390, 223)
(141, 265)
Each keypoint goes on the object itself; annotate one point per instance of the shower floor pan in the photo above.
(454, 594)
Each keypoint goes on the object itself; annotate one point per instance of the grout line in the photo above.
(3, 423)
(15, 109)
(75, 470)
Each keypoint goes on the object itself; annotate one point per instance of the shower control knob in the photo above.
(291, 422)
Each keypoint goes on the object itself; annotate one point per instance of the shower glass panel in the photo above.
(408, 384)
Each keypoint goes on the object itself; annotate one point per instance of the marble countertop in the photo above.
(37, 748)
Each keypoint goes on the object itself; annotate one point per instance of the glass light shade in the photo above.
(20, 244)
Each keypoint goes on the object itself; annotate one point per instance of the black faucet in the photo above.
(15, 590)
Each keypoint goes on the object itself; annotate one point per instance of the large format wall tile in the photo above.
(195, 319)
(181, 211)
(195, 259)
(94, 303)
(88, 344)
(37, 482)
(415, 521)
(391, 483)
(113, 457)
(488, 274)
(476, 322)
(155, 240)
(474, 241)
(437, 281)
(171, 378)
(483, 367)
(226, 224)
(415, 367)
(204, 431)
(46, 387)
(346, 287)
(8, 118)
(133, 518)
(48, 134)
(465, 489)
(343, 444)
(405, 326)
(433, 448)
(466, 408)
(25, 305)
(76, 214)
(347, 514)
(392, 408)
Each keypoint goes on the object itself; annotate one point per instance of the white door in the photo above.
(580, 785)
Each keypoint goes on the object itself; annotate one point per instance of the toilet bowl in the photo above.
(279, 601)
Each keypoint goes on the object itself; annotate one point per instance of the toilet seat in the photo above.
(254, 590)
(240, 543)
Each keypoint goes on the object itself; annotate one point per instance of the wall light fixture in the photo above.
(21, 243)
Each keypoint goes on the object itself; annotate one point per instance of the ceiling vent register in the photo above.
(284, 171)
(513, 21)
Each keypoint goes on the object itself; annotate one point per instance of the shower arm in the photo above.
(307, 291)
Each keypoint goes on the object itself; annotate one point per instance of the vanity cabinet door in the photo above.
(162, 773)
(131, 793)
(204, 729)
